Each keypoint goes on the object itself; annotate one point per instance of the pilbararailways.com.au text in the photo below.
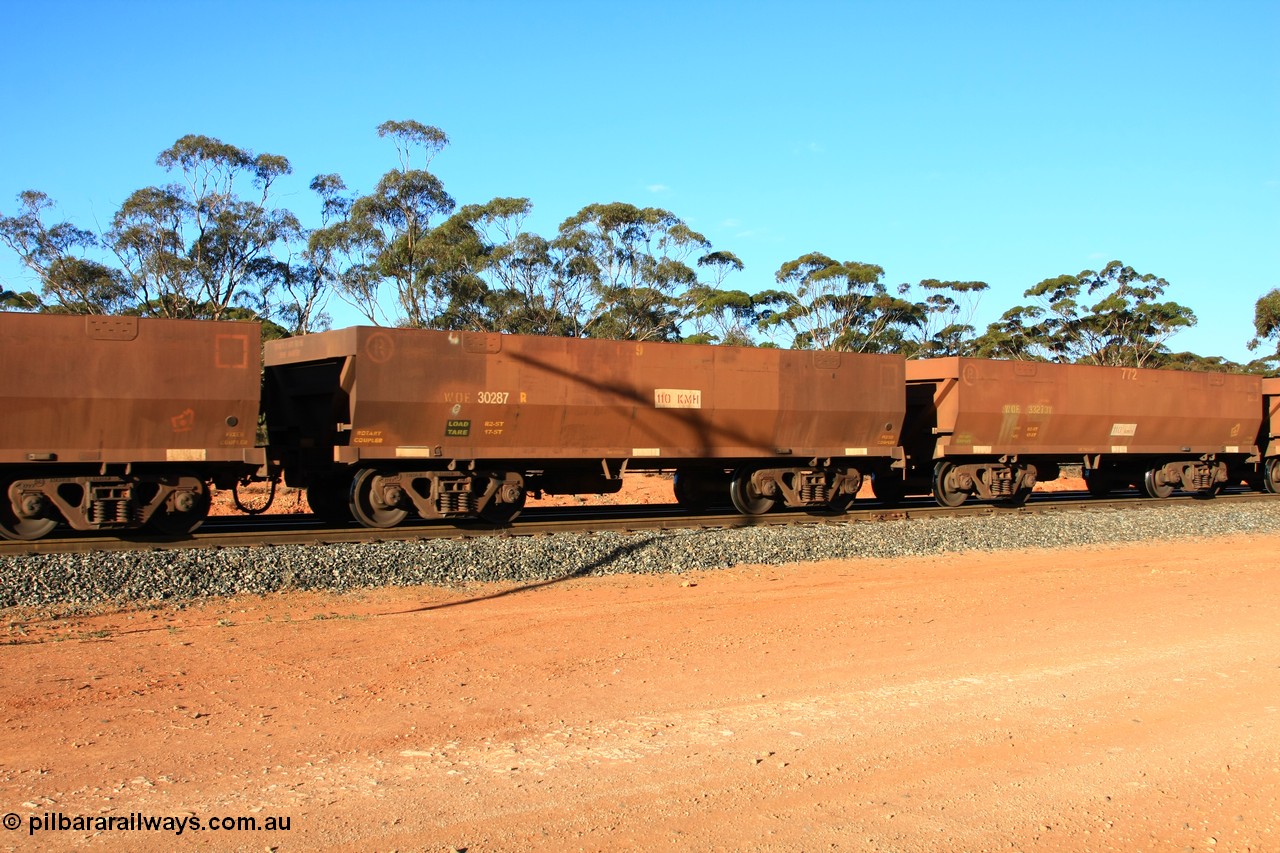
(138, 822)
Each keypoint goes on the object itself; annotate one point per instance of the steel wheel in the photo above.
(366, 503)
(745, 499)
(328, 501)
(13, 526)
(183, 512)
(1098, 482)
(1271, 476)
(1153, 488)
(690, 493)
(840, 504)
(945, 490)
(889, 488)
(503, 513)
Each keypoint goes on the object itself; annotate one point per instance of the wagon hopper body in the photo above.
(118, 422)
(993, 428)
(383, 422)
(1269, 437)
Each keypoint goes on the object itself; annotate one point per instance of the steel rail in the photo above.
(253, 531)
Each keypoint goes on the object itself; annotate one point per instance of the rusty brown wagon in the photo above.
(116, 423)
(379, 423)
(1268, 477)
(992, 429)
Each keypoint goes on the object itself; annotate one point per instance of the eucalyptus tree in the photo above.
(1017, 335)
(721, 315)
(948, 309)
(197, 247)
(845, 306)
(1266, 323)
(1114, 316)
(632, 264)
(520, 282)
(70, 281)
(383, 239)
(12, 300)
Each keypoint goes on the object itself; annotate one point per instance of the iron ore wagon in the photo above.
(379, 423)
(992, 429)
(116, 423)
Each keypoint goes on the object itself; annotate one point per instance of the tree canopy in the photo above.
(1111, 317)
(216, 242)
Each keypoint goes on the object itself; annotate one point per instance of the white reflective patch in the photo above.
(182, 454)
(1232, 448)
(1119, 448)
(1124, 429)
(413, 452)
(855, 451)
(645, 451)
(677, 398)
(982, 448)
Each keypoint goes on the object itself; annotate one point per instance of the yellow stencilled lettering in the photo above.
(1129, 374)
(493, 398)
(457, 397)
(524, 398)
(1012, 409)
(1039, 409)
(367, 436)
(494, 427)
(1033, 432)
(234, 438)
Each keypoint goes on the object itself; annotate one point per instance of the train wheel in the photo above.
(745, 499)
(1098, 482)
(367, 505)
(183, 512)
(13, 526)
(690, 494)
(506, 511)
(1271, 476)
(328, 499)
(840, 504)
(888, 488)
(1153, 487)
(945, 489)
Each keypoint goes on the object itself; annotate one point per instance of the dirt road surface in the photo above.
(1112, 699)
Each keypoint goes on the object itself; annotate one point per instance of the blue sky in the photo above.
(1002, 142)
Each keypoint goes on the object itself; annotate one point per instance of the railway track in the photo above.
(273, 530)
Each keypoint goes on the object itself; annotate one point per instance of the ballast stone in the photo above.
(117, 577)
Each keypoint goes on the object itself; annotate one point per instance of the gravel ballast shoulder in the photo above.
(118, 577)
